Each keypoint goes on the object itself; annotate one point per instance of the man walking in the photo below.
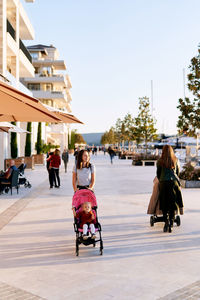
(111, 152)
(65, 158)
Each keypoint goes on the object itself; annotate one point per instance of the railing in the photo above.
(4, 79)
(57, 92)
(11, 30)
(25, 51)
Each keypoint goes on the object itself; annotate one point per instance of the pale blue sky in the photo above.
(114, 48)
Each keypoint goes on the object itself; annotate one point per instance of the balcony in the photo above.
(58, 80)
(26, 28)
(57, 64)
(26, 31)
(58, 98)
(11, 30)
(26, 68)
(18, 85)
(49, 94)
(25, 51)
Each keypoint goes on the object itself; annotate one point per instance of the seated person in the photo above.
(22, 167)
(7, 175)
(87, 219)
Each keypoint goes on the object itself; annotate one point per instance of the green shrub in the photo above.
(28, 140)
(13, 143)
(38, 145)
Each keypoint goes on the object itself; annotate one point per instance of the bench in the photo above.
(148, 162)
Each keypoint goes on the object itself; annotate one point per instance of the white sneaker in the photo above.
(93, 236)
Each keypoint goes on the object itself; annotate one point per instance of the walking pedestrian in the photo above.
(55, 162)
(83, 172)
(48, 167)
(111, 152)
(95, 150)
(65, 158)
(170, 193)
(76, 151)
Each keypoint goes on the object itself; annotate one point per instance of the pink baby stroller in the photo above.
(79, 198)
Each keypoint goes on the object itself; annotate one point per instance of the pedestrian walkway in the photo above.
(36, 177)
(8, 292)
(191, 291)
(37, 252)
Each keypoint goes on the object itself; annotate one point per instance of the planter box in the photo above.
(137, 163)
(39, 159)
(17, 161)
(191, 184)
(144, 163)
(149, 162)
(29, 161)
(122, 157)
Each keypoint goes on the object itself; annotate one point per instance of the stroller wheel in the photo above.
(94, 245)
(178, 220)
(77, 249)
(101, 247)
(29, 186)
(152, 221)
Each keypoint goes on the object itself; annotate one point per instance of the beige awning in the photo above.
(65, 117)
(8, 127)
(17, 106)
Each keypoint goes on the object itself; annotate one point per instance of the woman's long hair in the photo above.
(57, 152)
(168, 159)
(79, 163)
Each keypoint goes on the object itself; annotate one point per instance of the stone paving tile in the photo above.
(191, 291)
(8, 292)
(7, 215)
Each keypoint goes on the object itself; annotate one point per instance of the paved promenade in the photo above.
(37, 252)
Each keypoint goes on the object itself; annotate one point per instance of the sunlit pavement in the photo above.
(37, 252)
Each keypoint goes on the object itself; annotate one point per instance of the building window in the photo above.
(48, 87)
(34, 86)
(34, 55)
(46, 71)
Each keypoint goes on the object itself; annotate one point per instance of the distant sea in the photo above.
(93, 138)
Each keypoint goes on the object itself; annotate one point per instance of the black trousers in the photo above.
(54, 177)
(65, 164)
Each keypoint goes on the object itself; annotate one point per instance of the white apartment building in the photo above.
(15, 60)
(52, 86)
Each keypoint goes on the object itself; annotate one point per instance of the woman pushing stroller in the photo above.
(83, 172)
(170, 196)
(84, 204)
(84, 178)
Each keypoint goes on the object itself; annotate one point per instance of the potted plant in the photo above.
(190, 176)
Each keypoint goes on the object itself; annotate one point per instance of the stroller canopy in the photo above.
(82, 196)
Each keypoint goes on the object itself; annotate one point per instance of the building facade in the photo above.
(15, 59)
(51, 85)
